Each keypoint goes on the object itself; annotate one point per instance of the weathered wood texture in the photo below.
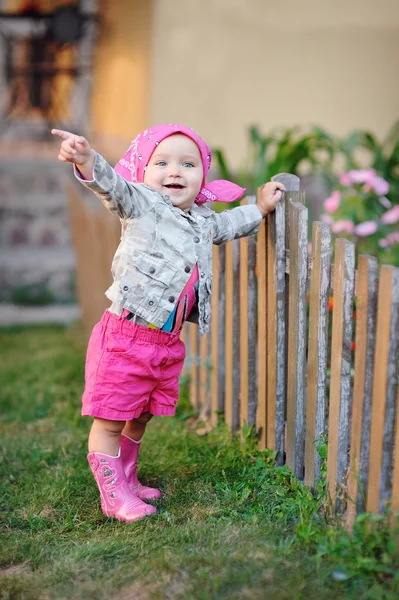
(385, 385)
(95, 234)
(340, 389)
(244, 333)
(229, 328)
(252, 327)
(217, 326)
(366, 305)
(261, 268)
(298, 216)
(317, 352)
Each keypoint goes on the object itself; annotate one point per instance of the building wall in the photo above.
(121, 71)
(221, 65)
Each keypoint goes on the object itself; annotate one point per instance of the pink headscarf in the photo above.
(134, 162)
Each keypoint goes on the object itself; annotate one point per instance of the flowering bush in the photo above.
(359, 210)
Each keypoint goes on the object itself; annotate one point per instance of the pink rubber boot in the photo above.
(129, 453)
(117, 499)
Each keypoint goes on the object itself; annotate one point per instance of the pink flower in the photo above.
(380, 186)
(393, 238)
(357, 176)
(332, 203)
(365, 228)
(343, 227)
(391, 216)
(327, 219)
(390, 240)
(385, 202)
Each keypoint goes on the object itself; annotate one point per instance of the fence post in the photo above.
(317, 352)
(296, 335)
(366, 305)
(277, 228)
(340, 392)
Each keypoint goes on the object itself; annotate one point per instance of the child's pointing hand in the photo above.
(77, 150)
(270, 194)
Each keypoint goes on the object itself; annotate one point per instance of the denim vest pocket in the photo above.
(154, 267)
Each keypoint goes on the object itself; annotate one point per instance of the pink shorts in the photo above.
(131, 369)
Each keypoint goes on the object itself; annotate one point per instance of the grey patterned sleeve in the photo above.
(126, 200)
(238, 222)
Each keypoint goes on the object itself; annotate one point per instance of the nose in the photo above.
(174, 170)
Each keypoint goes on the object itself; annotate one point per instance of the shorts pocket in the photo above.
(117, 343)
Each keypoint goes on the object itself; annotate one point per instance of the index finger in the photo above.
(65, 135)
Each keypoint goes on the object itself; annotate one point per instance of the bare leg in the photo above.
(136, 427)
(105, 436)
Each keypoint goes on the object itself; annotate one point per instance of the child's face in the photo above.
(175, 169)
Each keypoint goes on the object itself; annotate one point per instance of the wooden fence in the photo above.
(278, 358)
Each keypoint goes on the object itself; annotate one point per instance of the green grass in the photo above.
(229, 526)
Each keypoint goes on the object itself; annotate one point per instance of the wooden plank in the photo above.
(317, 350)
(236, 335)
(261, 271)
(340, 390)
(395, 469)
(295, 451)
(222, 330)
(229, 324)
(244, 346)
(385, 383)
(215, 338)
(366, 307)
(277, 384)
(88, 269)
(252, 328)
(276, 328)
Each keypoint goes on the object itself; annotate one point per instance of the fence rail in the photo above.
(277, 357)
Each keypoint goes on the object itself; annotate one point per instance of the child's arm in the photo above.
(245, 220)
(92, 170)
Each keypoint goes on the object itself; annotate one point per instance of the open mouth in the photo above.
(174, 186)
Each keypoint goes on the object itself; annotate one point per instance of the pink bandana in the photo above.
(134, 162)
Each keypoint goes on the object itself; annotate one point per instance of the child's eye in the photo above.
(161, 163)
(188, 164)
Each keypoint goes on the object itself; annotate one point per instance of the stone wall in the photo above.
(36, 253)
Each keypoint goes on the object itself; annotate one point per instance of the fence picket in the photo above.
(395, 469)
(366, 306)
(89, 271)
(261, 422)
(252, 327)
(317, 349)
(229, 325)
(244, 347)
(276, 320)
(215, 329)
(385, 384)
(222, 330)
(340, 392)
(295, 450)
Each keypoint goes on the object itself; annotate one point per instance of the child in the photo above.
(162, 273)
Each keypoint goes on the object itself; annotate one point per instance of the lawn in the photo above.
(229, 526)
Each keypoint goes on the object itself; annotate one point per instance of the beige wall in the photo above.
(220, 65)
(121, 72)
